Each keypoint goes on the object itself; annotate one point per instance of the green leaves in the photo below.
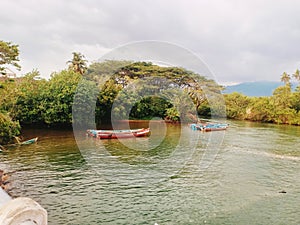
(236, 105)
(32, 100)
(58, 97)
(78, 63)
(9, 55)
(282, 107)
(27, 98)
(8, 129)
(147, 79)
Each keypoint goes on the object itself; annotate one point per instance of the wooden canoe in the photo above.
(114, 134)
(95, 133)
(124, 134)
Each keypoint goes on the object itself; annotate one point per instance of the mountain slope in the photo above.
(258, 88)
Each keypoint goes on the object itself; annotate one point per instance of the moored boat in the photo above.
(30, 141)
(209, 127)
(113, 134)
(94, 133)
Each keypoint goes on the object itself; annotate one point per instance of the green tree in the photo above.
(236, 105)
(83, 107)
(286, 78)
(148, 80)
(149, 107)
(8, 93)
(282, 100)
(296, 95)
(204, 110)
(105, 100)
(8, 129)
(78, 64)
(261, 109)
(99, 72)
(28, 104)
(172, 115)
(283, 107)
(295, 100)
(162, 79)
(296, 75)
(58, 96)
(9, 55)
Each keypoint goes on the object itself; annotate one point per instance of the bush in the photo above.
(172, 115)
(8, 129)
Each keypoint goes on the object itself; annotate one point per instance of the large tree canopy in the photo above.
(141, 86)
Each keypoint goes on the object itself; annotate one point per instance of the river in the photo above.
(175, 176)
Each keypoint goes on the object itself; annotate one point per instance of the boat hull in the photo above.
(28, 142)
(209, 127)
(115, 134)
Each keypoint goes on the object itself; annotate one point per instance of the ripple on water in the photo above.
(240, 187)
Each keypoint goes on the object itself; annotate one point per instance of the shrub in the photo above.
(8, 129)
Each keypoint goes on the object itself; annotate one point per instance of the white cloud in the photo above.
(241, 40)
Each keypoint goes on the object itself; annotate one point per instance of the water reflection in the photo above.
(111, 183)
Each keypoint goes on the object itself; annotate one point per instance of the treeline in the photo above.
(109, 90)
(157, 90)
(283, 107)
(127, 90)
(118, 90)
(32, 100)
(35, 101)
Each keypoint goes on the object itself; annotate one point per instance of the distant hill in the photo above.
(258, 88)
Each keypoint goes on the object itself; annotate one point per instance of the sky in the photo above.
(240, 41)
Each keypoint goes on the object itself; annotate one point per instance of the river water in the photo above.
(175, 176)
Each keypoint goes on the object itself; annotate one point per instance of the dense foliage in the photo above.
(140, 90)
(110, 89)
(283, 107)
(32, 100)
(9, 55)
(78, 63)
(8, 129)
(128, 90)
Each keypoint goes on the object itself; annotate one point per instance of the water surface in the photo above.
(158, 179)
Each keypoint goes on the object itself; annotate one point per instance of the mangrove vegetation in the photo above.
(283, 107)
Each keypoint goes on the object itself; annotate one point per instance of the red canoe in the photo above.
(123, 134)
(113, 134)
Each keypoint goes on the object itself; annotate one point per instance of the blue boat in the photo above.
(206, 127)
(28, 142)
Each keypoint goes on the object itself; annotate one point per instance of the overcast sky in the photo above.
(240, 40)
